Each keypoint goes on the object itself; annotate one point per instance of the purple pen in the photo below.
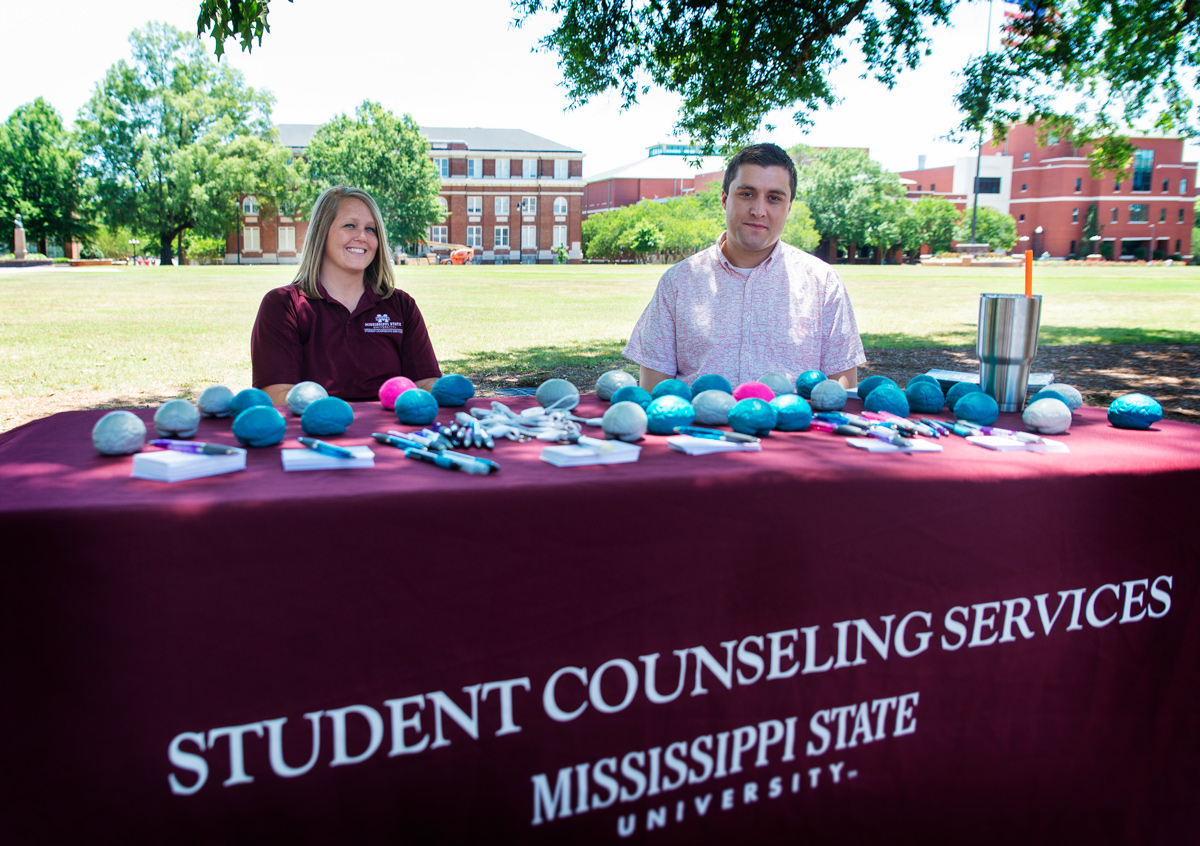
(197, 447)
(1024, 437)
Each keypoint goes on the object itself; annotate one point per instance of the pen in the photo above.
(889, 436)
(325, 449)
(1024, 437)
(905, 423)
(198, 447)
(404, 443)
(715, 434)
(937, 426)
(448, 461)
(839, 428)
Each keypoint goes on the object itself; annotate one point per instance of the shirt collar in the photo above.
(770, 259)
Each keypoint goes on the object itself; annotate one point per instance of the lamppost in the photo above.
(133, 242)
(1024, 239)
(1153, 242)
(1037, 247)
(1095, 239)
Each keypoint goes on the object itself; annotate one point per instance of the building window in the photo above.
(474, 168)
(560, 205)
(441, 201)
(1139, 213)
(1143, 167)
(1072, 248)
(1078, 184)
(1025, 157)
(475, 237)
(560, 168)
(250, 239)
(560, 237)
(988, 185)
(502, 168)
(1182, 189)
(1022, 219)
(918, 186)
(1074, 215)
(529, 205)
(443, 167)
(1166, 185)
(530, 168)
(438, 234)
(529, 236)
(474, 205)
(1024, 187)
(1114, 215)
(932, 186)
(1178, 245)
(249, 206)
(501, 205)
(1162, 215)
(1116, 187)
(500, 239)
(1180, 219)
(287, 239)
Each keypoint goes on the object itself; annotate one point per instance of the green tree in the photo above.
(994, 228)
(386, 156)
(934, 219)
(165, 134)
(799, 230)
(1091, 228)
(40, 177)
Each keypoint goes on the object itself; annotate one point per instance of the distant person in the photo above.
(750, 304)
(342, 323)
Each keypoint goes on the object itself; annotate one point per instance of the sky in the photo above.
(463, 64)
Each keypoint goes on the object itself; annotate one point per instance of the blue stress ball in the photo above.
(327, 416)
(711, 382)
(712, 407)
(871, 383)
(887, 398)
(632, 393)
(612, 381)
(753, 416)
(118, 433)
(302, 394)
(176, 418)
(808, 380)
(925, 377)
(452, 390)
(958, 391)
(214, 401)
(416, 407)
(977, 407)
(1134, 411)
(248, 398)
(671, 387)
(828, 396)
(667, 412)
(259, 426)
(925, 397)
(792, 411)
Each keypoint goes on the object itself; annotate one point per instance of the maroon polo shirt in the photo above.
(297, 338)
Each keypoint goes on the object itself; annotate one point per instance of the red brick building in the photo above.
(1049, 190)
(667, 171)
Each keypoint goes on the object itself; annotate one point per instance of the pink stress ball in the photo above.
(393, 388)
(755, 390)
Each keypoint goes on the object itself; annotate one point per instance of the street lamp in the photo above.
(1037, 235)
(133, 242)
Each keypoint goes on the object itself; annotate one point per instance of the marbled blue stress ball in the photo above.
(977, 407)
(118, 433)
(1047, 416)
(303, 394)
(1134, 411)
(612, 381)
(711, 382)
(452, 390)
(214, 401)
(871, 383)
(559, 394)
(925, 377)
(632, 393)
(808, 380)
(667, 412)
(887, 398)
(793, 413)
(925, 397)
(712, 407)
(958, 391)
(828, 396)
(176, 418)
(416, 408)
(778, 384)
(753, 416)
(247, 398)
(259, 426)
(327, 416)
(672, 387)
(624, 421)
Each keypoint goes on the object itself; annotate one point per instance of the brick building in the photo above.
(1049, 190)
(667, 171)
(511, 195)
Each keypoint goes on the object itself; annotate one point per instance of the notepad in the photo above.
(1003, 444)
(310, 459)
(706, 446)
(574, 455)
(169, 465)
(876, 445)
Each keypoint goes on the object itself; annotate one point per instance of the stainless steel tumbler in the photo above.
(1007, 345)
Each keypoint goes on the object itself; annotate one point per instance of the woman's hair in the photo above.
(378, 276)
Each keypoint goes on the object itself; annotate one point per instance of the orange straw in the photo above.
(1029, 273)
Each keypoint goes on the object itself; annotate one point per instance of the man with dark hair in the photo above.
(750, 304)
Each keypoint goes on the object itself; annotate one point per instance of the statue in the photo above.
(19, 223)
(19, 239)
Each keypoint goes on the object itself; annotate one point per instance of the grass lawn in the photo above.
(76, 338)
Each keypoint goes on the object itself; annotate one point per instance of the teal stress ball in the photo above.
(871, 383)
(259, 426)
(303, 394)
(632, 393)
(327, 416)
(452, 390)
(712, 407)
(558, 394)
(753, 416)
(416, 407)
(793, 413)
(247, 398)
(808, 380)
(888, 398)
(1134, 411)
(1066, 393)
(958, 391)
(711, 382)
(176, 418)
(925, 397)
(612, 381)
(977, 407)
(778, 384)
(214, 401)
(118, 433)
(925, 377)
(667, 412)
(828, 396)
(671, 387)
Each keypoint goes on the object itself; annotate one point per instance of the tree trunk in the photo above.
(832, 250)
(179, 252)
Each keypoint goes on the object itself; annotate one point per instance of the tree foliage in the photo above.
(172, 139)
(851, 197)
(40, 176)
(675, 228)
(933, 221)
(994, 228)
(240, 20)
(386, 156)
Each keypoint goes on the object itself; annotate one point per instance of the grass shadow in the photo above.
(580, 363)
(1047, 336)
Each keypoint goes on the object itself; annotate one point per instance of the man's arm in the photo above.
(278, 393)
(648, 378)
(426, 384)
(848, 378)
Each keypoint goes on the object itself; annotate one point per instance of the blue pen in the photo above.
(326, 449)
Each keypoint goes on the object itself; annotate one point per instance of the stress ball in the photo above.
(871, 383)
(302, 394)
(667, 412)
(118, 433)
(624, 421)
(711, 382)
(327, 416)
(779, 385)
(753, 390)
(753, 416)
(388, 391)
(632, 393)
(977, 407)
(925, 397)
(416, 408)
(259, 426)
(176, 418)
(671, 387)
(712, 407)
(808, 380)
(925, 377)
(1066, 393)
(1047, 416)
(793, 413)
(610, 382)
(453, 390)
(888, 398)
(1134, 411)
(247, 398)
(557, 393)
(828, 396)
(958, 391)
(214, 401)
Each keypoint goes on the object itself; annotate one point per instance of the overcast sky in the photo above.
(461, 63)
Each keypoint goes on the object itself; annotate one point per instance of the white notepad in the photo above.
(310, 459)
(1003, 444)
(574, 455)
(876, 445)
(706, 446)
(169, 465)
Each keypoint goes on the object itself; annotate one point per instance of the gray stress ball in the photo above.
(1047, 416)
(559, 394)
(214, 401)
(1066, 393)
(612, 381)
(176, 418)
(118, 433)
(303, 394)
(828, 396)
(779, 385)
(712, 407)
(624, 421)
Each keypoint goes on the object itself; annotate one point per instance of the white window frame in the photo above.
(439, 234)
(1182, 187)
(560, 205)
(502, 168)
(500, 205)
(560, 169)
(250, 240)
(529, 236)
(500, 238)
(529, 168)
(443, 166)
(287, 239)
(441, 201)
(559, 237)
(529, 205)
(474, 168)
(250, 205)
(475, 237)
(1142, 209)
(475, 205)
(1074, 215)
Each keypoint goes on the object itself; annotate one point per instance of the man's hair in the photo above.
(763, 155)
(378, 276)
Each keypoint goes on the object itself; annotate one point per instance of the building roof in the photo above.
(476, 138)
(663, 167)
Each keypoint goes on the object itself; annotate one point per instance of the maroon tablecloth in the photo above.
(977, 646)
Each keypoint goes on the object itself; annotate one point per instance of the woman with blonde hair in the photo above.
(342, 323)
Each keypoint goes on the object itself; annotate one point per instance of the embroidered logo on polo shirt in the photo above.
(383, 323)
